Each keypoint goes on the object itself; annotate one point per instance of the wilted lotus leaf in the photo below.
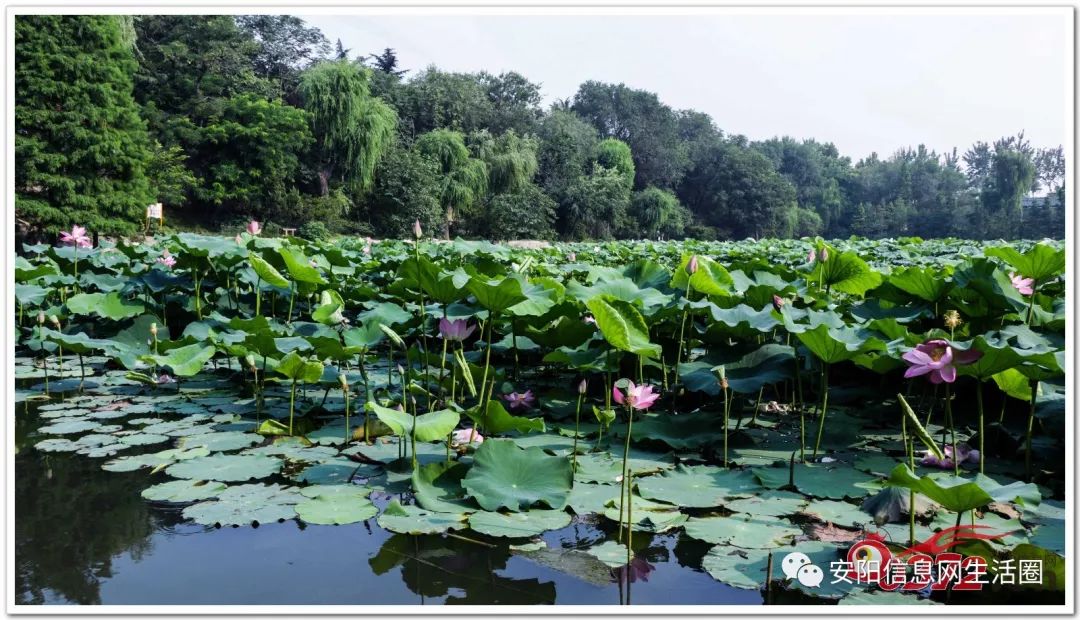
(891, 503)
(518, 524)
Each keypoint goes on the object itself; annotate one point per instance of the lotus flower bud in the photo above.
(55, 321)
(824, 255)
(41, 317)
(416, 230)
(811, 256)
(249, 359)
(778, 302)
(401, 370)
(572, 257)
(692, 265)
(344, 381)
(582, 387)
(723, 383)
(153, 330)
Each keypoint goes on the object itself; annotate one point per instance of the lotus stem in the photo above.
(629, 517)
(292, 300)
(292, 404)
(824, 406)
(348, 430)
(625, 459)
(487, 364)
(577, 429)
(952, 429)
(727, 415)
(258, 296)
(82, 372)
(982, 426)
(423, 323)
(1034, 385)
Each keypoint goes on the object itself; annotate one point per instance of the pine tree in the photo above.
(81, 149)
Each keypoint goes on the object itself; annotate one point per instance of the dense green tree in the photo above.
(515, 102)
(170, 175)
(387, 62)
(567, 143)
(657, 213)
(525, 213)
(820, 176)
(737, 191)
(352, 129)
(435, 99)
(464, 179)
(616, 155)
(638, 118)
(510, 159)
(250, 155)
(596, 206)
(407, 188)
(287, 45)
(81, 149)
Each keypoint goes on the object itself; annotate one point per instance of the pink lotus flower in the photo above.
(811, 256)
(778, 302)
(636, 397)
(457, 330)
(1022, 284)
(589, 320)
(583, 387)
(466, 436)
(964, 455)
(367, 245)
(165, 379)
(572, 256)
(167, 259)
(692, 265)
(938, 359)
(77, 237)
(253, 228)
(520, 401)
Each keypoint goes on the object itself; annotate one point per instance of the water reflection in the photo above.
(71, 519)
(462, 571)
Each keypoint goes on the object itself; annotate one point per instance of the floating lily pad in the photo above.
(337, 471)
(697, 486)
(295, 449)
(838, 513)
(769, 503)
(336, 490)
(336, 509)
(143, 439)
(183, 491)
(220, 441)
(606, 468)
(609, 552)
(835, 482)
(415, 520)
(743, 531)
(589, 498)
(647, 515)
(157, 459)
(246, 504)
(102, 451)
(70, 427)
(506, 476)
(745, 568)
(56, 445)
(881, 597)
(518, 524)
(226, 468)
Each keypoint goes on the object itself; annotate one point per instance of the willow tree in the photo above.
(352, 129)
(510, 158)
(464, 178)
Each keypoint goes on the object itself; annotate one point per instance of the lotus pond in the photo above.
(208, 420)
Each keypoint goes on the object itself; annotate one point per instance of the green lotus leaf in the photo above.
(438, 487)
(267, 273)
(299, 266)
(711, 278)
(1053, 566)
(767, 365)
(838, 513)
(957, 494)
(183, 491)
(743, 531)
(697, 486)
(518, 524)
(1014, 384)
(226, 468)
(56, 445)
(927, 284)
(609, 552)
(591, 498)
(622, 326)
(405, 519)
(1040, 262)
(431, 426)
(506, 476)
(156, 460)
(746, 568)
(337, 471)
(881, 597)
(498, 420)
(496, 295)
(847, 273)
(329, 310)
(605, 468)
(298, 369)
(78, 343)
(142, 439)
(186, 361)
(336, 509)
(110, 306)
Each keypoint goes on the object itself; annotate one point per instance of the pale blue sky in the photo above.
(867, 82)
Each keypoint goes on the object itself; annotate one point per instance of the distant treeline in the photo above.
(225, 119)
